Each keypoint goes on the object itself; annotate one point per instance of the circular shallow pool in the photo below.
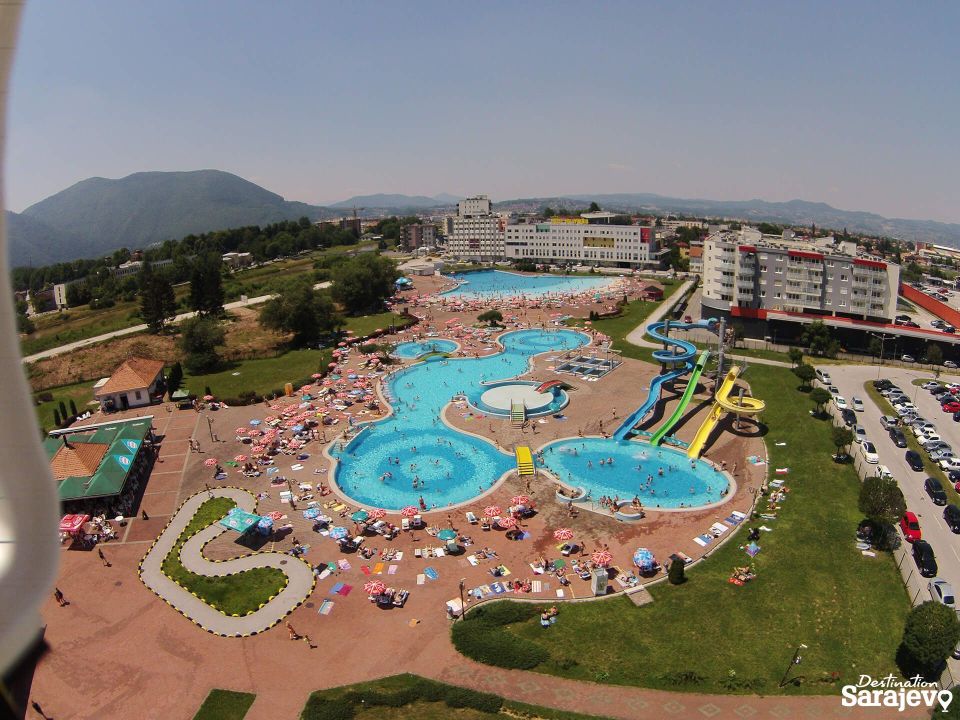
(660, 477)
(417, 348)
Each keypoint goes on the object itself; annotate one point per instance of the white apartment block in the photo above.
(474, 206)
(749, 275)
(581, 241)
(476, 233)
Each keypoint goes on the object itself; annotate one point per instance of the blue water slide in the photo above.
(680, 363)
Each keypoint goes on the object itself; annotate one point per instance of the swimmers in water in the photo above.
(660, 472)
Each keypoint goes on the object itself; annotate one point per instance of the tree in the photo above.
(491, 316)
(201, 336)
(206, 284)
(175, 378)
(881, 501)
(25, 325)
(594, 207)
(675, 573)
(930, 633)
(63, 410)
(73, 408)
(806, 373)
(874, 347)
(303, 311)
(795, 355)
(158, 304)
(56, 417)
(819, 338)
(934, 354)
(362, 284)
(820, 396)
(841, 437)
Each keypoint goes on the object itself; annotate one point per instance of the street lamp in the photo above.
(462, 604)
(794, 661)
(883, 339)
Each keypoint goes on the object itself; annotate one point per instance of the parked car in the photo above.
(914, 460)
(902, 318)
(941, 591)
(888, 421)
(956, 417)
(905, 408)
(824, 377)
(949, 464)
(950, 364)
(882, 384)
(939, 390)
(907, 358)
(924, 558)
(949, 329)
(890, 389)
(859, 433)
(931, 385)
(834, 390)
(921, 428)
(899, 439)
(869, 451)
(884, 472)
(929, 440)
(840, 402)
(857, 404)
(910, 527)
(951, 516)
(935, 491)
(944, 457)
(911, 323)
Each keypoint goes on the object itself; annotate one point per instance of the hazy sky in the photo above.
(854, 104)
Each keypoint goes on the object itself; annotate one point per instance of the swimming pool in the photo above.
(659, 476)
(487, 284)
(416, 348)
(379, 466)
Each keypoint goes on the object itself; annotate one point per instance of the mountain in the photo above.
(98, 215)
(385, 201)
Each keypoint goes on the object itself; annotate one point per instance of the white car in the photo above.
(869, 452)
(857, 404)
(930, 385)
(888, 421)
(930, 439)
(884, 472)
(923, 428)
(907, 358)
(840, 402)
(824, 377)
(905, 408)
(941, 591)
(950, 464)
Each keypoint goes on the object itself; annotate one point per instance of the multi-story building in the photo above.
(586, 240)
(750, 275)
(477, 234)
(418, 235)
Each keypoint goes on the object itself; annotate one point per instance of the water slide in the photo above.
(680, 363)
(662, 431)
(724, 404)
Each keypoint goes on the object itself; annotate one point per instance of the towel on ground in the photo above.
(472, 559)
(378, 569)
(392, 570)
(345, 590)
(431, 573)
(326, 607)
(421, 579)
(365, 569)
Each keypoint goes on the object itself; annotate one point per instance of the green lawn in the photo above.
(239, 594)
(81, 393)
(366, 324)
(225, 705)
(813, 587)
(400, 697)
(262, 375)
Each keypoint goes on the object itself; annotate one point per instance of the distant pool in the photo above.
(659, 476)
(488, 284)
(416, 348)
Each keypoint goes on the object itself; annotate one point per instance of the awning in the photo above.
(239, 520)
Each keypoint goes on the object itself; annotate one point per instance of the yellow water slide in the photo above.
(723, 403)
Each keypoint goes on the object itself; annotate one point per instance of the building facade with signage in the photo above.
(584, 240)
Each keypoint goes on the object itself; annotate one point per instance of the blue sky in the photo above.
(852, 103)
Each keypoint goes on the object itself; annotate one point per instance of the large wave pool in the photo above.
(380, 465)
(415, 348)
(491, 284)
(659, 476)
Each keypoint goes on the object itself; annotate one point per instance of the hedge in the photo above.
(478, 636)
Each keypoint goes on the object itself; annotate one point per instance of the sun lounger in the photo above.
(431, 573)
(378, 569)
(718, 529)
(421, 579)
(471, 518)
(405, 524)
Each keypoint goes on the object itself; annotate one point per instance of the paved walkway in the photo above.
(300, 578)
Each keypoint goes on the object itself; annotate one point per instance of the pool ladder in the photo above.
(518, 414)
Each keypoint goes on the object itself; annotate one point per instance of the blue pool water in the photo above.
(577, 462)
(414, 443)
(488, 284)
(414, 349)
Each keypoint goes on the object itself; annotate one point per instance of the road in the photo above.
(849, 379)
(53, 352)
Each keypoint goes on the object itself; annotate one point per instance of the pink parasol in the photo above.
(72, 523)
(208, 397)
(507, 522)
(258, 449)
(492, 511)
(306, 387)
(275, 515)
(240, 458)
(374, 587)
(241, 431)
(270, 419)
(410, 511)
(210, 462)
(377, 514)
(563, 534)
(602, 557)
(520, 500)
(316, 376)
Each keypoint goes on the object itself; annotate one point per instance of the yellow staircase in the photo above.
(524, 461)
(518, 414)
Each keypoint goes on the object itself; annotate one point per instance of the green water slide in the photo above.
(684, 401)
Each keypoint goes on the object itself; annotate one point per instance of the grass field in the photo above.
(813, 587)
(366, 324)
(225, 705)
(261, 375)
(242, 593)
(81, 394)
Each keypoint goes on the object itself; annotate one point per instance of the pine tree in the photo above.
(73, 408)
(56, 417)
(63, 410)
(158, 303)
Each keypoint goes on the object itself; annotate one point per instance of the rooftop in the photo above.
(133, 374)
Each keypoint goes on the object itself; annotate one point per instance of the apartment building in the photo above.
(418, 235)
(750, 275)
(477, 234)
(587, 239)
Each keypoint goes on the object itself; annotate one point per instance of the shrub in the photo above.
(676, 574)
(503, 613)
(320, 707)
(479, 641)
(45, 397)
(458, 697)
(929, 635)
(683, 677)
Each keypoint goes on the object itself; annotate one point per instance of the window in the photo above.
(137, 394)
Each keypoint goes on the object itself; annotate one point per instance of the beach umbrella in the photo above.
(208, 397)
(520, 500)
(255, 422)
(602, 558)
(275, 515)
(338, 532)
(644, 559)
(360, 516)
(296, 428)
(410, 511)
(311, 513)
(492, 511)
(316, 376)
(341, 344)
(374, 587)
(241, 431)
(258, 449)
(563, 534)
(378, 514)
(240, 458)
(507, 522)
(210, 462)
(447, 534)
(72, 523)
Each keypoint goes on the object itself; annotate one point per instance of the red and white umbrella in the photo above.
(270, 419)
(378, 514)
(241, 431)
(258, 449)
(275, 515)
(73, 523)
(520, 500)
(240, 458)
(374, 587)
(563, 534)
(602, 557)
(410, 511)
(507, 522)
(316, 376)
(492, 511)
(208, 397)
(210, 462)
